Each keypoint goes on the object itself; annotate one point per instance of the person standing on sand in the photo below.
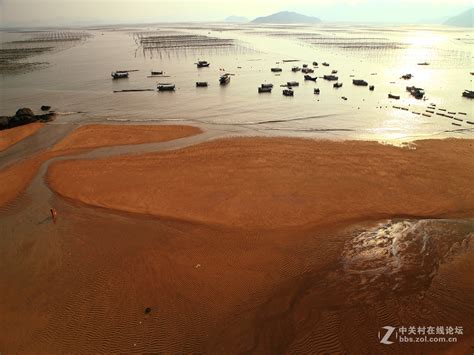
(53, 215)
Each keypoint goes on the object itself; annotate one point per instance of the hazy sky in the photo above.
(64, 12)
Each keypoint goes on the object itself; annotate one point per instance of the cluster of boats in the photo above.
(224, 79)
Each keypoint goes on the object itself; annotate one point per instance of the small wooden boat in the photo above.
(371, 88)
(334, 72)
(424, 63)
(330, 77)
(337, 85)
(358, 82)
(307, 70)
(468, 93)
(288, 92)
(407, 76)
(292, 83)
(317, 91)
(305, 65)
(267, 86)
(309, 77)
(276, 70)
(201, 84)
(119, 75)
(326, 64)
(418, 93)
(224, 79)
(315, 64)
(396, 97)
(264, 89)
(295, 69)
(166, 87)
(156, 72)
(202, 64)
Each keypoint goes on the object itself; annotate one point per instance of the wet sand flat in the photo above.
(9, 137)
(16, 177)
(265, 183)
(254, 245)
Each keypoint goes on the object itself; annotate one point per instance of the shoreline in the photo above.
(10, 137)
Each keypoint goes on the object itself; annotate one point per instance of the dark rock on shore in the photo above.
(24, 116)
(45, 108)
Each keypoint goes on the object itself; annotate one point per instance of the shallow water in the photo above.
(78, 80)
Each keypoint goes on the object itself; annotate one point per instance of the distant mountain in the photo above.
(466, 19)
(287, 17)
(236, 19)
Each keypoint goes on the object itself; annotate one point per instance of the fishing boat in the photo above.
(224, 79)
(295, 69)
(371, 88)
(264, 89)
(309, 77)
(326, 64)
(337, 85)
(201, 84)
(166, 87)
(119, 75)
(418, 93)
(292, 83)
(396, 97)
(424, 63)
(276, 70)
(468, 93)
(407, 76)
(358, 82)
(330, 77)
(315, 64)
(334, 72)
(307, 70)
(156, 72)
(317, 91)
(266, 86)
(305, 65)
(202, 64)
(288, 92)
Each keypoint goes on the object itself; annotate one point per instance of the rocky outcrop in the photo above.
(24, 116)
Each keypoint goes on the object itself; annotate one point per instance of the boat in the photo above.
(309, 77)
(266, 86)
(305, 65)
(337, 85)
(202, 64)
(295, 69)
(307, 70)
(326, 64)
(264, 89)
(330, 77)
(201, 84)
(224, 79)
(407, 76)
(317, 91)
(468, 93)
(416, 92)
(424, 63)
(334, 72)
(292, 83)
(119, 75)
(156, 72)
(166, 87)
(276, 70)
(371, 88)
(396, 97)
(288, 92)
(315, 64)
(358, 82)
